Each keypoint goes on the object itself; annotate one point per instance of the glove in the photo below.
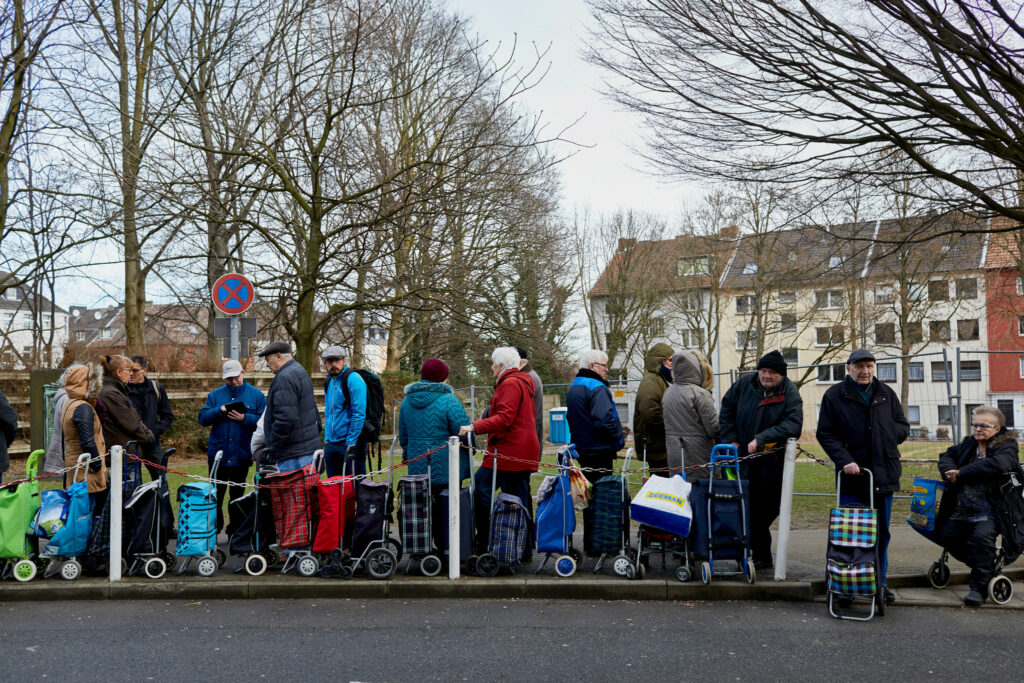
(350, 453)
(95, 465)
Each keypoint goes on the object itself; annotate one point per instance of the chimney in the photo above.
(729, 232)
(626, 243)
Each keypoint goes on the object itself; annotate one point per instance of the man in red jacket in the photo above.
(511, 433)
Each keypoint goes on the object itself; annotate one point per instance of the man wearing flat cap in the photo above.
(344, 414)
(759, 413)
(291, 423)
(860, 425)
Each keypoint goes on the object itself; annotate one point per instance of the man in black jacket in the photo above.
(759, 413)
(150, 400)
(594, 426)
(291, 425)
(861, 423)
(8, 432)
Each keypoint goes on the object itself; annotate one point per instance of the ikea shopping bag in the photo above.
(664, 503)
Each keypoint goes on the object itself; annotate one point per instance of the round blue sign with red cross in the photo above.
(232, 294)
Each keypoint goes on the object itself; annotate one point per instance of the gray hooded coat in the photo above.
(690, 416)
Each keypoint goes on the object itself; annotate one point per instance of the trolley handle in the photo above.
(216, 464)
(82, 464)
(871, 485)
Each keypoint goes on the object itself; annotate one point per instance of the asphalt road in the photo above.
(352, 640)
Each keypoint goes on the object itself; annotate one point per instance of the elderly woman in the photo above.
(510, 433)
(430, 413)
(81, 430)
(121, 423)
(973, 472)
(54, 461)
(691, 421)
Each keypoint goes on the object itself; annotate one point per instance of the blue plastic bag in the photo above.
(51, 515)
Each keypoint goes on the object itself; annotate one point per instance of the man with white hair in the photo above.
(594, 426)
(291, 424)
(511, 436)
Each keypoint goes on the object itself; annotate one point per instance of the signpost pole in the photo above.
(234, 337)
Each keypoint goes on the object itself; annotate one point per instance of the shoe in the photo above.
(761, 565)
(889, 597)
(974, 599)
(844, 601)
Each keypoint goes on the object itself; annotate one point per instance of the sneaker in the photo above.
(889, 597)
(974, 599)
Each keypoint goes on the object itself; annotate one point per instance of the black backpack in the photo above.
(374, 401)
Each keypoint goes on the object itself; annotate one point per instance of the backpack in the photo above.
(374, 401)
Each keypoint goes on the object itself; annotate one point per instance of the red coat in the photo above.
(510, 424)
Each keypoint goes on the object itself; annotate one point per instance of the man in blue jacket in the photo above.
(594, 425)
(344, 414)
(231, 431)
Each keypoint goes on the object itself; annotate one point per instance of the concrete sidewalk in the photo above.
(909, 559)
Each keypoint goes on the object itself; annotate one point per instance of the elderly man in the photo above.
(231, 411)
(344, 414)
(150, 401)
(861, 423)
(292, 421)
(594, 425)
(759, 413)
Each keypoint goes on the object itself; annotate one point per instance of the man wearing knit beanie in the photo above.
(759, 413)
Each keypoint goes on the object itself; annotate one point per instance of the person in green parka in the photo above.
(648, 422)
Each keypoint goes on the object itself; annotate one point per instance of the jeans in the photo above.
(292, 464)
(512, 483)
(883, 503)
(334, 459)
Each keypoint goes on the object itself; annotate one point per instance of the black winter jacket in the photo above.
(292, 423)
(994, 470)
(151, 403)
(8, 431)
(851, 431)
(771, 416)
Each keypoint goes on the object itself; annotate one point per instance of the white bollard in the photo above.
(116, 508)
(454, 481)
(785, 511)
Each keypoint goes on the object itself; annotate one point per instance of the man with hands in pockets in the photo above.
(344, 414)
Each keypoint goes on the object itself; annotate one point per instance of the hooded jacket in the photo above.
(509, 424)
(691, 420)
(121, 423)
(648, 422)
(430, 413)
(80, 423)
(8, 431)
(771, 416)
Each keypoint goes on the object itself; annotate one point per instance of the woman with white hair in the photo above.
(511, 432)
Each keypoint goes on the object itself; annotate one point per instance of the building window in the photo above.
(787, 322)
(691, 300)
(828, 298)
(9, 320)
(967, 288)
(970, 371)
(1020, 287)
(967, 330)
(884, 294)
(750, 269)
(915, 372)
(692, 266)
(1022, 367)
(792, 356)
(836, 261)
(656, 327)
(941, 371)
(938, 290)
(945, 415)
(886, 372)
(1020, 325)
(914, 414)
(693, 338)
(939, 330)
(885, 333)
(744, 304)
(746, 339)
(79, 336)
(106, 333)
(787, 298)
(914, 333)
(831, 373)
(828, 336)
(47, 321)
(26, 321)
(1006, 408)
(915, 292)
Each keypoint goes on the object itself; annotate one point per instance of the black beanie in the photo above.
(773, 360)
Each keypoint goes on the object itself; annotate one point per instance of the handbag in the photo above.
(664, 503)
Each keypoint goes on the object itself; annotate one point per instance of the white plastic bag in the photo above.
(664, 503)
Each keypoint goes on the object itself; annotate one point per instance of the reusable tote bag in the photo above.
(664, 503)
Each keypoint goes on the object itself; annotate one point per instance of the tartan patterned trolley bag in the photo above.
(293, 499)
(852, 557)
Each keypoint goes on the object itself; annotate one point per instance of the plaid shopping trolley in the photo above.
(852, 559)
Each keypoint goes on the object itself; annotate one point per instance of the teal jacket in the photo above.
(430, 413)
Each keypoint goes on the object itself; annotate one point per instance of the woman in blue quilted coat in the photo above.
(430, 413)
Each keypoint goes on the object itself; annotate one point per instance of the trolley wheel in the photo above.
(430, 565)
(169, 558)
(221, 557)
(487, 565)
(683, 573)
(255, 565)
(381, 563)
(124, 567)
(1000, 589)
(620, 564)
(337, 555)
(576, 555)
(629, 573)
(641, 571)
(938, 575)
(705, 572)
(206, 566)
(395, 546)
(749, 570)
(154, 568)
(273, 558)
(307, 565)
(70, 570)
(565, 566)
(345, 572)
(471, 565)
(25, 570)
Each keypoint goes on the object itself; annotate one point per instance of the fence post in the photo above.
(454, 481)
(785, 511)
(472, 402)
(116, 508)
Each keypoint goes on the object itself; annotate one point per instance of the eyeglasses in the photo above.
(603, 365)
(982, 425)
(132, 371)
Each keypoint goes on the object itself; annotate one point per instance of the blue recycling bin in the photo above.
(559, 426)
